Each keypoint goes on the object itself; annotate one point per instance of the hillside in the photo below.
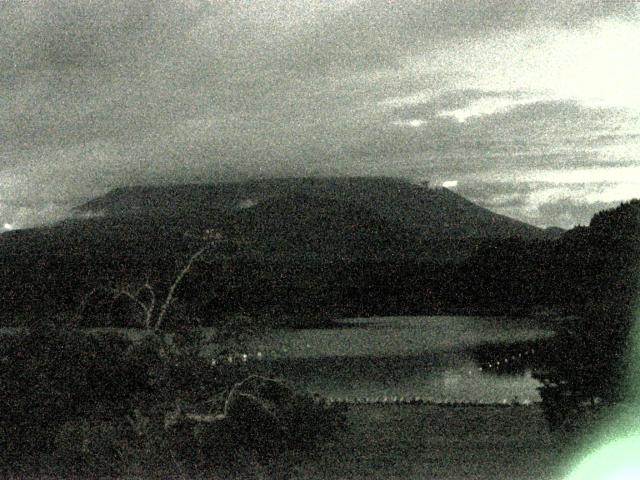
(321, 227)
(436, 213)
(356, 245)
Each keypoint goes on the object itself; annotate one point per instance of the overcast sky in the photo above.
(530, 108)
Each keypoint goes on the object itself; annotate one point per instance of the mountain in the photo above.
(320, 227)
(318, 218)
(294, 244)
(436, 213)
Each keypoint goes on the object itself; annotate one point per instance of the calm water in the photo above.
(428, 357)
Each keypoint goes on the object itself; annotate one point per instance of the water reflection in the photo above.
(453, 377)
(440, 359)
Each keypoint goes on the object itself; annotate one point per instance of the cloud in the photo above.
(95, 95)
(72, 33)
(14, 217)
(488, 106)
(554, 135)
(586, 176)
(418, 98)
(413, 123)
(372, 32)
(568, 212)
(541, 201)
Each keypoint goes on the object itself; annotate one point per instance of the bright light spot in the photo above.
(488, 106)
(7, 226)
(450, 184)
(618, 460)
(415, 123)
(595, 65)
(598, 67)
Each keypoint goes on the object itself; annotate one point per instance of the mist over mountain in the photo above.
(436, 213)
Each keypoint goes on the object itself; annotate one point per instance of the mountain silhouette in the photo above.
(434, 213)
(302, 243)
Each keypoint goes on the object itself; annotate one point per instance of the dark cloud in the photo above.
(101, 94)
(380, 32)
(542, 134)
(74, 33)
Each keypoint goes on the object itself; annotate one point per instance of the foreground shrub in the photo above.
(93, 445)
(98, 403)
(49, 377)
(261, 416)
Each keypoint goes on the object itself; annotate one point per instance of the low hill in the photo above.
(437, 213)
(349, 244)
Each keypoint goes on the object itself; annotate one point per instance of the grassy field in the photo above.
(438, 442)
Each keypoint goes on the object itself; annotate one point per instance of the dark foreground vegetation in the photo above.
(100, 404)
(79, 402)
(310, 254)
(96, 405)
(591, 364)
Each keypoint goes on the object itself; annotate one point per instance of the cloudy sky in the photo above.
(530, 108)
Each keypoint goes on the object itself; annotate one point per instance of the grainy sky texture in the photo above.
(530, 108)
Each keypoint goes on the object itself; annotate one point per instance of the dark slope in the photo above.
(435, 213)
(358, 245)
(320, 227)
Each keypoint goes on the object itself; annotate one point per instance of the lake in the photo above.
(433, 358)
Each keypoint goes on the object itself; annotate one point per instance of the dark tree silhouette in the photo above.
(587, 362)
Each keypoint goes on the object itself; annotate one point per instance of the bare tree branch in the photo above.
(169, 300)
(147, 309)
(150, 306)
